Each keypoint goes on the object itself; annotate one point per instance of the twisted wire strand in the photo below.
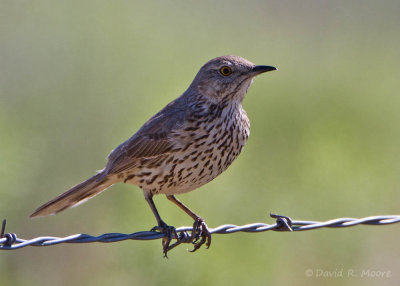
(10, 241)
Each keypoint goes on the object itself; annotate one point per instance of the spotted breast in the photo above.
(207, 144)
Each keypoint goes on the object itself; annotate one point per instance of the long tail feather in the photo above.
(75, 196)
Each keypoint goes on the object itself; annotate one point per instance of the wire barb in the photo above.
(3, 228)
(10, 241)
(283, 223)
(9, 238)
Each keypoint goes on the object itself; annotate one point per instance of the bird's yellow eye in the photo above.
(225, 71)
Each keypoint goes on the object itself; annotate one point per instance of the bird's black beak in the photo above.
(262, 69)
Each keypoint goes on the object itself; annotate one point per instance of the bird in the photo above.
(187, 144)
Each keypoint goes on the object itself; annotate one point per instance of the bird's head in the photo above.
(227, 77)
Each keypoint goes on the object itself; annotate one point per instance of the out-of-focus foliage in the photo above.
(79, 77)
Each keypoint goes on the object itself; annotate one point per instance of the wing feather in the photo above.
(154, 139)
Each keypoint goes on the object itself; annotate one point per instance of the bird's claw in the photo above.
(200, 234)
(170, 233)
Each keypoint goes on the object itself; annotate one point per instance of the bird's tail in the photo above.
(75, 196)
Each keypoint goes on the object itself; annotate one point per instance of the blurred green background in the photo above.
(79, 77)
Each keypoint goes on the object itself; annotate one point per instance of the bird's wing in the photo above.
(154, 139)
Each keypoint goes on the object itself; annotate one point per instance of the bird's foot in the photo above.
(200, 234)
(170, 233)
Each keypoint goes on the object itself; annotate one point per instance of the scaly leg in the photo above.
(200, 229)
(162, 226)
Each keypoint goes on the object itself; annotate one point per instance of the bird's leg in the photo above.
(162, 226)
(200, 230)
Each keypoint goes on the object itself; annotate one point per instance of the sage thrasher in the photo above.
(184, 146)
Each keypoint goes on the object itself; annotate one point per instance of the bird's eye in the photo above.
(225, 71)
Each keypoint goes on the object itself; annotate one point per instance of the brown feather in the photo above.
(154, 139)
(75, 196)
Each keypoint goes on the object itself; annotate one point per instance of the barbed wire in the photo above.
(10, 241)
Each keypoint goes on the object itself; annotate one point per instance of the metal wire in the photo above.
(10, 241)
